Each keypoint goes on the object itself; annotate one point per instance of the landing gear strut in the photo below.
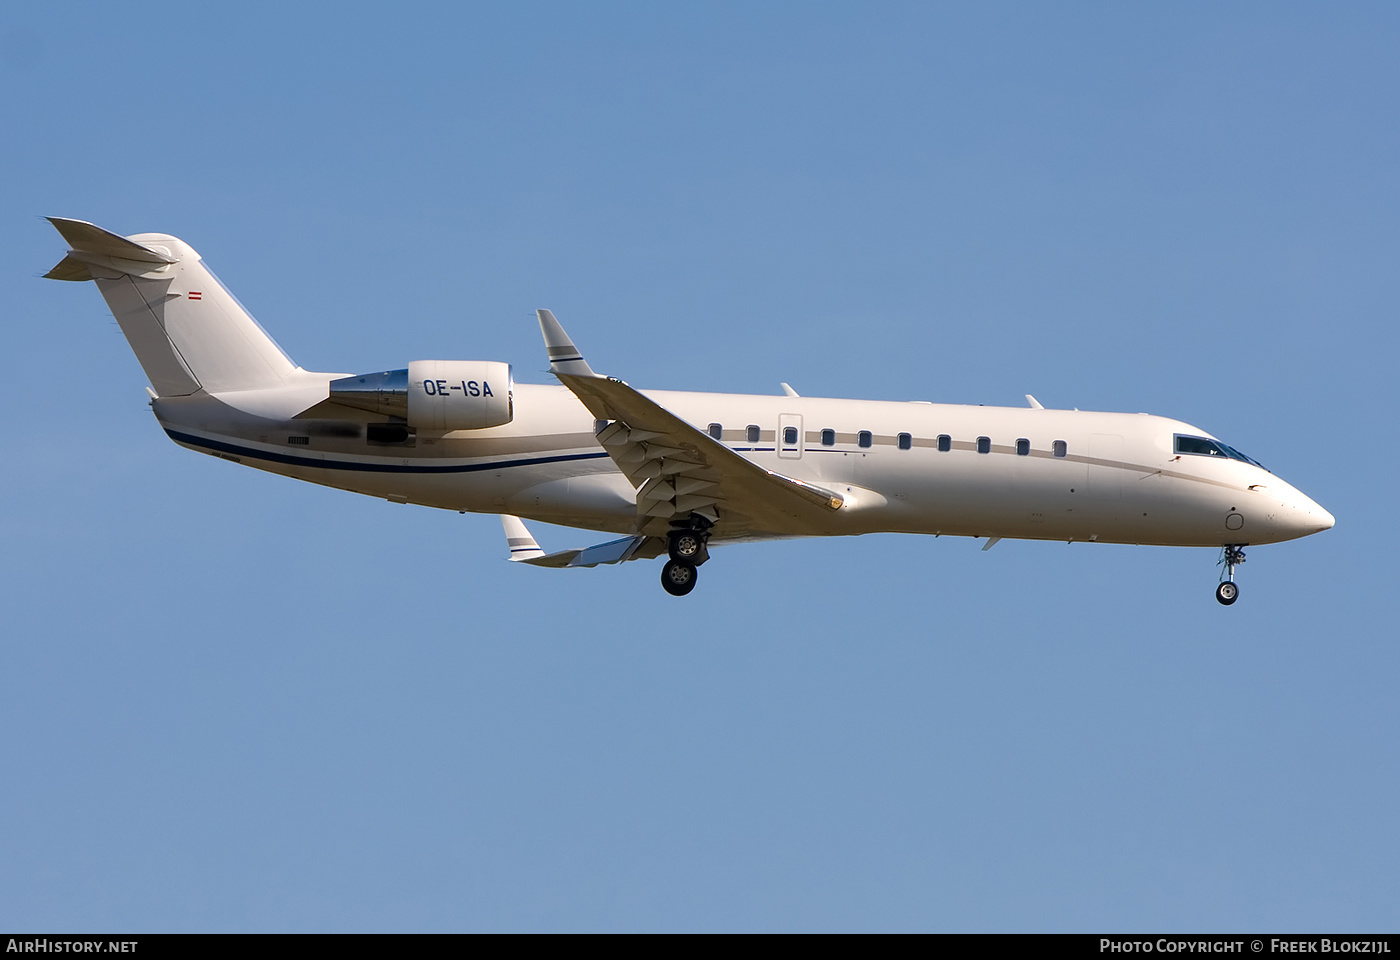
(687, 549)
(1228, 592)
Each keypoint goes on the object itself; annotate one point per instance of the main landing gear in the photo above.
(1228, 592)
(687, 549)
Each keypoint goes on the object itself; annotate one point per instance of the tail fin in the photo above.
(185, 328)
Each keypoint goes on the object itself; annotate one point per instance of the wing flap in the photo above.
(680, 448)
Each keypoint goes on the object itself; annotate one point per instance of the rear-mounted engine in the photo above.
(434, 394)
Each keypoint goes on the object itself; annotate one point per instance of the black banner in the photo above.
(1077, 944)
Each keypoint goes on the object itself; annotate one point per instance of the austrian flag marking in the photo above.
(194, 295)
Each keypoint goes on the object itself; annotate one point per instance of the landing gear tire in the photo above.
(686, 546)
(1231, 557)
(678, 577)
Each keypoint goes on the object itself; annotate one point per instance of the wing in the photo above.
(525, 549)
(679, 470)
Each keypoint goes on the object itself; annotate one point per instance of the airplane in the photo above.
(673, 473)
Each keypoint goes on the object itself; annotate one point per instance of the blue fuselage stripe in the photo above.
(369, 467)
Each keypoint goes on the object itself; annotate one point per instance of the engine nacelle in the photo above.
(435, 394)
(459, 394)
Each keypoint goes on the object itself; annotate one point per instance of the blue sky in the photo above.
(236, 702)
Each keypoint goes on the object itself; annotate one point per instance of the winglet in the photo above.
(522, 544)
(563, 355)
(788, 391)
(1035, 404)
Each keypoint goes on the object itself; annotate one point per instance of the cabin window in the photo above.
(984, 444)
(752, 433)
(906, 441)
(865, 438)
(945, 443)
(1023, 447)
(717, 431)
(828, 438)
(1059, 448)
(790, 436)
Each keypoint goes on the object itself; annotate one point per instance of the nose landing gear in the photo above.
(1228, 591)
(686, 548)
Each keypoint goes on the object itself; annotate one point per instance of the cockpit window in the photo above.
(1236, 455)
(1200, 446)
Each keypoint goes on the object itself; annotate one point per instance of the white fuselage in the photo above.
(664, 468)
(1112, 477)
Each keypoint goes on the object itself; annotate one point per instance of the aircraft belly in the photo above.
(600, 501)
(977, 495)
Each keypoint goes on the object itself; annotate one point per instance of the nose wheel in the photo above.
(1228, 591)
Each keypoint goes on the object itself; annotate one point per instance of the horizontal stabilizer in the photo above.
(187, 330)
(90, 245)
(69, 268)
(84, 237)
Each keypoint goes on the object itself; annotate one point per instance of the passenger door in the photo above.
(790, 436)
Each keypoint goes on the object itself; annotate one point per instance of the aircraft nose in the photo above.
(1325, 520)
(1310, 516)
